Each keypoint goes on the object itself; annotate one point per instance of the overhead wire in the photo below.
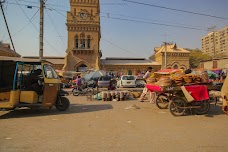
(174, 9)
(118, 46)
(193, 27)
(21, 29)
(56, 28)
(161, 24)
(37, 29)
(149, 19)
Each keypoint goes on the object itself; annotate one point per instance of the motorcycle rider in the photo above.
(79, 82)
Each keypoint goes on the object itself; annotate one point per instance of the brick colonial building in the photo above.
(176, 58)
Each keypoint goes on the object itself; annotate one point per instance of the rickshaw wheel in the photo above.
(204, 109)
(162, 101)
(63, 104)
(177, 106)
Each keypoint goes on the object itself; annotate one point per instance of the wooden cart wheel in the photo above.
(177, 106)
(162, 101)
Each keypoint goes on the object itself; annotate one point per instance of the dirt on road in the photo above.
(109, 127)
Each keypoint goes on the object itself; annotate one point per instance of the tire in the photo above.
(63, 104)
(75, 92)
(204, 109)
(162, 101)
(176, 106)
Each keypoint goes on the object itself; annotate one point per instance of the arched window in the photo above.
(74, 11)
(129, 72)
(88, 41)
(175, 66)
(82, 41)
(76, 41)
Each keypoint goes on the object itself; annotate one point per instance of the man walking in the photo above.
(148, 74)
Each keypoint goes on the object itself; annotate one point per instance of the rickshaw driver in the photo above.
(224, 93)
(34, 78)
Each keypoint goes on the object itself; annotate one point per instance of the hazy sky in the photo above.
(132, 30)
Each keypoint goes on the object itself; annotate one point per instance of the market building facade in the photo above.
(172, 57)
(128, 66)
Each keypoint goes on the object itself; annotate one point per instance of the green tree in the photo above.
(196, 56)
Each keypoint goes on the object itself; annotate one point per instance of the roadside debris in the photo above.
(134, 106)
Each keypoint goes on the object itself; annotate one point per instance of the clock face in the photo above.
(83, 15)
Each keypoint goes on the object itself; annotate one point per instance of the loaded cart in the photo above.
(193, 98)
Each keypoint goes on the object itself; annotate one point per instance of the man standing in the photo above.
(148, 74)
(78, 82)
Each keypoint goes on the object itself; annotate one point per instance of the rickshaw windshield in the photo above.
(49, 72)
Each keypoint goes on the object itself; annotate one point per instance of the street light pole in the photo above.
(41, 29)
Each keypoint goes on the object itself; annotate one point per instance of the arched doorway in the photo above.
(82, 68)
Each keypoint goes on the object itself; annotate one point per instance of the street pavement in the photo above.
(110, 126)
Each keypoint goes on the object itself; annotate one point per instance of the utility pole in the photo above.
(6, 24)
(41, 29)
(165, 54)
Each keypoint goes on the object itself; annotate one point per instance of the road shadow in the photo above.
(74, 108)
(215, 110)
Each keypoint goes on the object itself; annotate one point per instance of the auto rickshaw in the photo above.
(30, 83)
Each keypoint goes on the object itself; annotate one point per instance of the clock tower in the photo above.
(83, 26)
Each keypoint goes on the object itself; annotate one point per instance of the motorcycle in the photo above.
(84, 89)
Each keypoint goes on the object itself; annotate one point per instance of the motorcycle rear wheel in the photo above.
(205, 106)
(177, 106)
(75, 92)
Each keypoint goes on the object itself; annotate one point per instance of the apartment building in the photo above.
(216, 43)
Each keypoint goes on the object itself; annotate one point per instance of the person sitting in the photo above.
(34, 78)
(111, 86)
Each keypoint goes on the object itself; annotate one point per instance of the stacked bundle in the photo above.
(197, 79)
(178, 80)
(164, 82)
(188, 78)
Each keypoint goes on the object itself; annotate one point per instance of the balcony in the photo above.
(83, 51)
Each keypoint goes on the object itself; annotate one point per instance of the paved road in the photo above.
(108, 127)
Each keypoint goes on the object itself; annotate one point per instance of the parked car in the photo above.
(103, 82)
(140, 83)
(127, 81)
